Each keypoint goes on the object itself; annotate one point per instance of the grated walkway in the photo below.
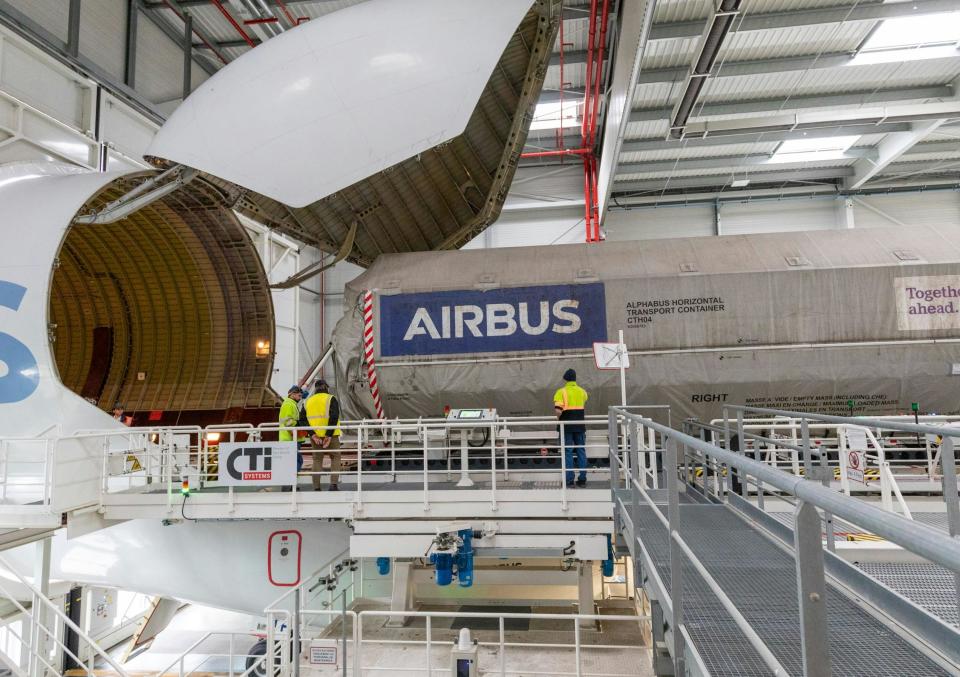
(761, 580)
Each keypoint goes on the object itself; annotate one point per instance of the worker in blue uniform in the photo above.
(570, 403)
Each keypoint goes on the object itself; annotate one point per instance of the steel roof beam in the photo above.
(753, 67)
(810, 17)
(878, 115)
(642, 145)
(871, 98)
(732, 162)
(720, 180)
(888, 150)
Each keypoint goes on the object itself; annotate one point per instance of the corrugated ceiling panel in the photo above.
(648, 129)
(103, 27)
(833, 80)
(752, 170)
(680, 151)
(671, 11)
(52, 15)
(656, 94)
(669, 53)
(793, 41)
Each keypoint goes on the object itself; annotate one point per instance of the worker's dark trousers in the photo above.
(333, 451)
(573, 449)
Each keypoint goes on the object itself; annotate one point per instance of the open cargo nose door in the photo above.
(388, 126)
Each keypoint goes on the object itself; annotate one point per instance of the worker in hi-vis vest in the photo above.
(289, 418)
(323, 413)
(290, 414)
(569, 402)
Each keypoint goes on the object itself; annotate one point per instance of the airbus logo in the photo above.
(508, 319)
(496, 319)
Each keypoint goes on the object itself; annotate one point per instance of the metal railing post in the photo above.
(676, 564)
(742, 443)
(503, 649)
(825, 474)
(295, 630)
(811, 591)
(612, 443)
(948, 464)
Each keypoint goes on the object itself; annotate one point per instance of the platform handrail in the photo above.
(38, 618)
(921, 539)
(926, 541)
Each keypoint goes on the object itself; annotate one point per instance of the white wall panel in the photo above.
(53, 15)
(778, 216)
(124, 130)
(660, 222)
(34, 78)
(103, 28)
(532, 227)
(930, 208)
(159, 64)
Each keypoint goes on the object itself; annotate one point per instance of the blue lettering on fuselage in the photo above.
(554, 317)
(22, 375)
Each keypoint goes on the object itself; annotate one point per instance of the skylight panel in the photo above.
(548, 115)
(931, 36)
(813, 149)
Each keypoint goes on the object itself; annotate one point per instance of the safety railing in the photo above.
(183, 666)
(39, 647)
(354, 656)
(684, 452)
(25, 471)
(427, 456)
(911, 458)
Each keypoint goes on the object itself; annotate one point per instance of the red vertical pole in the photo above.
(587, 92)
(598, 76)
(587, 212)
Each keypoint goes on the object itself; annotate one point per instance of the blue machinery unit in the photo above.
(454, 556)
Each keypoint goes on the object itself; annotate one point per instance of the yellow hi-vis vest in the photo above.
(570, 397)
(317, 407)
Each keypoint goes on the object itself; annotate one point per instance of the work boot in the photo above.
(334, 487)
(582, 482)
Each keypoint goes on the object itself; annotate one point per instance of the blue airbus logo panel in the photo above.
(555, 317)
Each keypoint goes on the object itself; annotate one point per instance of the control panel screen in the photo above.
(471, 413)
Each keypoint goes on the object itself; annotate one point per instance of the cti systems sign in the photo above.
(555, 317)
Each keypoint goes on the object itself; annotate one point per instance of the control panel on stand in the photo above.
(465, 417)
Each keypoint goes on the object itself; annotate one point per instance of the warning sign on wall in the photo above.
(324, 652)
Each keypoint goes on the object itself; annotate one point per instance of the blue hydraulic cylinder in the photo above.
(465, 559)
(607, 566)
(383, 565)
(443, 563)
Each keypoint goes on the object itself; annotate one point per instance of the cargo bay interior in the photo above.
(521, 337)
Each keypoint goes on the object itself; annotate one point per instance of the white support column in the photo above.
(41, 581)
(402, 597)
(848, 213)
(585, 589)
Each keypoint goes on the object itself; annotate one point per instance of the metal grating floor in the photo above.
(927, 585)
(761, 580)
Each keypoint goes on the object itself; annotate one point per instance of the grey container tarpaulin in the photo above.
(806, 320)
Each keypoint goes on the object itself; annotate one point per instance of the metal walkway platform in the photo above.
(761, 576)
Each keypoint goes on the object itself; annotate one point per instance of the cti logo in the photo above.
(22, 375)
(254, 456)
(497, 320)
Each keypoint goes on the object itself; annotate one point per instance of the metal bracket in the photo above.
(145, 194)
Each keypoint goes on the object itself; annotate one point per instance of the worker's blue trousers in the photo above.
(573, 447)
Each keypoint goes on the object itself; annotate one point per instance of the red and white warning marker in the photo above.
(368, 351)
